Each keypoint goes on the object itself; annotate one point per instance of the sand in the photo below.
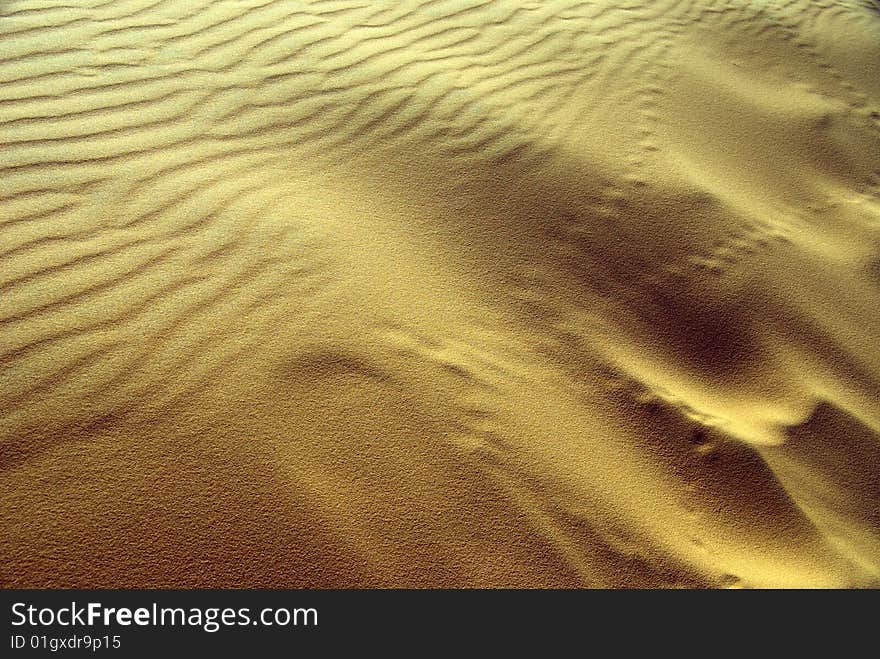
(461, 293)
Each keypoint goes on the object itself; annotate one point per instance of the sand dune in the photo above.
(440, 293)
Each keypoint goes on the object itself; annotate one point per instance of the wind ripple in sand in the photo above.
(439, 292)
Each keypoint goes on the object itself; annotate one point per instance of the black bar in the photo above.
(384, 619)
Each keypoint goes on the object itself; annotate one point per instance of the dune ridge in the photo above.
(440, 293)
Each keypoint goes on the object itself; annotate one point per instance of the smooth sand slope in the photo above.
(440, 293)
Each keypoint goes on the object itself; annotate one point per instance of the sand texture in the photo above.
(453, 293)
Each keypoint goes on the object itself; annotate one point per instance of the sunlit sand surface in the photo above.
(440, 293)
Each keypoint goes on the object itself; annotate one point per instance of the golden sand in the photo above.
(440, 293)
